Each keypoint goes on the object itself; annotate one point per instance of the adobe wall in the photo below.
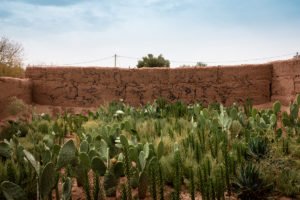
(285, 81)
(10, 87)
(75, 86)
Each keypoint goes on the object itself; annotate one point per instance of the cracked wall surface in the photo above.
(90, 86)
(285, 81)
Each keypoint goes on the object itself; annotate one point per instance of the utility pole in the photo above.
(115, 60)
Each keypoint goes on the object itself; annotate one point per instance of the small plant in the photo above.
(258, 147)
(249, 183)
(289, 182)
(16, 106)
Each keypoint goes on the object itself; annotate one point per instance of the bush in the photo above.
(151, 61)
(16, 106)
(16, 71)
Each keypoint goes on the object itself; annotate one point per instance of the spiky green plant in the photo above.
(258, 147)
(249, 183)
(178, 173)
(192, 184)
(227, 167)
(153, 186)
(161, 182)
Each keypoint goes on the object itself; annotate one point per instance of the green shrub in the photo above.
(152, 61)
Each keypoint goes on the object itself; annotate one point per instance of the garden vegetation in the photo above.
(213, 150)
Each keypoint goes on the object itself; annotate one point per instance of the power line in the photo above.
(232, 61)
(91, 61)
(129, 57)
(115, 56)
(252, 59)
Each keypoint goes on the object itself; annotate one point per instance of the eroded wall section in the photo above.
(286, 81)
(90, 86)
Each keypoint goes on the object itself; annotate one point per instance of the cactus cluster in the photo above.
(208, 149)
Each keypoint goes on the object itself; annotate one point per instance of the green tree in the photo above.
(201, 64)
(198, 64)
(11, 57)
(152, 61)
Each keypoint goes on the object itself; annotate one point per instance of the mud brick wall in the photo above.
(14, 87)
(90, 86)
(286, 81)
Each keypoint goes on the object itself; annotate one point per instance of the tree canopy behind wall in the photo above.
(11, 57)
(152, 61)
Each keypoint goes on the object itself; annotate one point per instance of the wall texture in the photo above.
(9, 87)
(75, 86)
(90, 87)
(285, 81)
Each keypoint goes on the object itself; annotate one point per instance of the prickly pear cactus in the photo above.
(46, 156)
(35, 164)
(276, 107)
(66, 154)
(20, 154)
(133, 154)
(119, 169)
(47, 179)
(12, 191)
(5, 150)
(84, 146)
(294, 110)
(124, 141)
(84, 160)
(142, 160)
(93, 153)
(98, 166)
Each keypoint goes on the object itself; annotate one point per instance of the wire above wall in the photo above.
(116, 58)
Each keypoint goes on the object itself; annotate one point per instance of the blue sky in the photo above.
(185, 31)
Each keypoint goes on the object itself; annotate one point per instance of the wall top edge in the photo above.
(14, 79)
(146, 69)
